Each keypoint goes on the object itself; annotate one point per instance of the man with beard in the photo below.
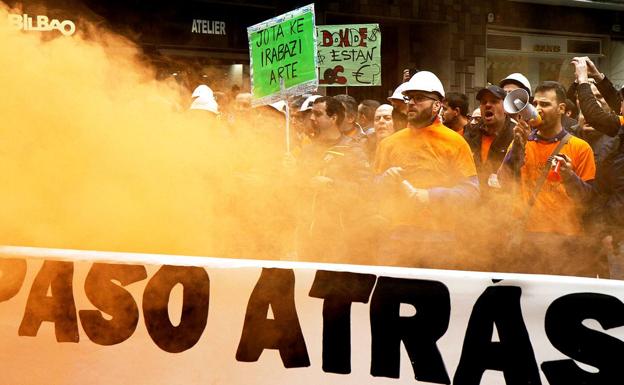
(430, 177)
(551, 202)
(335, 178)
(399, 108)
(455, 112)
(490, 138)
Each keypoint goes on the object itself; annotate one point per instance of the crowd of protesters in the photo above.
(420, 181)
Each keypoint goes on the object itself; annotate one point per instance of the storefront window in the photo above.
(536, 69)
(538, 57)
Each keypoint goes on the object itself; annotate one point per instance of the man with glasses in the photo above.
(430, 177)
(399, 107)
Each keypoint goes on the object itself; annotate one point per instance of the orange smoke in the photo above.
(97, 154)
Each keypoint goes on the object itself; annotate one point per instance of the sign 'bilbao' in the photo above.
(41, 23)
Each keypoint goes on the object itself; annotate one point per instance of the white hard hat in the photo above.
(204, 99)
(398, 92)
(518, 79)
(279, 106)
(202, 89)
(307, 104)
(425, 81)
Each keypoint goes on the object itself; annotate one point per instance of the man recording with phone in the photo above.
(604, 219)
(599, 118)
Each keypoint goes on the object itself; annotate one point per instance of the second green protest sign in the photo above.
(349, 55)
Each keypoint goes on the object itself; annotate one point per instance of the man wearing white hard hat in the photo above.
(399, 107)
(274, 111)
(302, 116)
(205, 109)
(515, 81)
(204, 100)
(435, 178)
(308, 102)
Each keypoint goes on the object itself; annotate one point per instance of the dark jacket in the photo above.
(567, 122)
(607, 90)
(595, 116)
(606, 211)
(473, 135)
(329, 219)
(345, 162)
(600, 143)
(610, 94)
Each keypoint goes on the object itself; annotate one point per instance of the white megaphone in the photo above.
(517, 102)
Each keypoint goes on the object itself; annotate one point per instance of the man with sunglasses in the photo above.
(430, 176)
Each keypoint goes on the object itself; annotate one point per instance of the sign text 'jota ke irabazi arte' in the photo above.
(283, 47)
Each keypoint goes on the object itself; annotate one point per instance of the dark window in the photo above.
(581, 46)
(504, 42)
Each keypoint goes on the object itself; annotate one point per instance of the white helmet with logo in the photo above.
(519, 79)
(425, 81)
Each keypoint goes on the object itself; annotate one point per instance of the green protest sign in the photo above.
(349, 55)
(283, 47)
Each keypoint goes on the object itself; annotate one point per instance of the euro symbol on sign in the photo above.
(359, 73)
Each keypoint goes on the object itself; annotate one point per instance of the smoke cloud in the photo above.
(97, 154)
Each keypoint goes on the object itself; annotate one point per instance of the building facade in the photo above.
(466, 43)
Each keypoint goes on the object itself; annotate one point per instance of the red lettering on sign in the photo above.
(331, 76)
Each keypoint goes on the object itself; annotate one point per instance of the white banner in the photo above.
(79, 317)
